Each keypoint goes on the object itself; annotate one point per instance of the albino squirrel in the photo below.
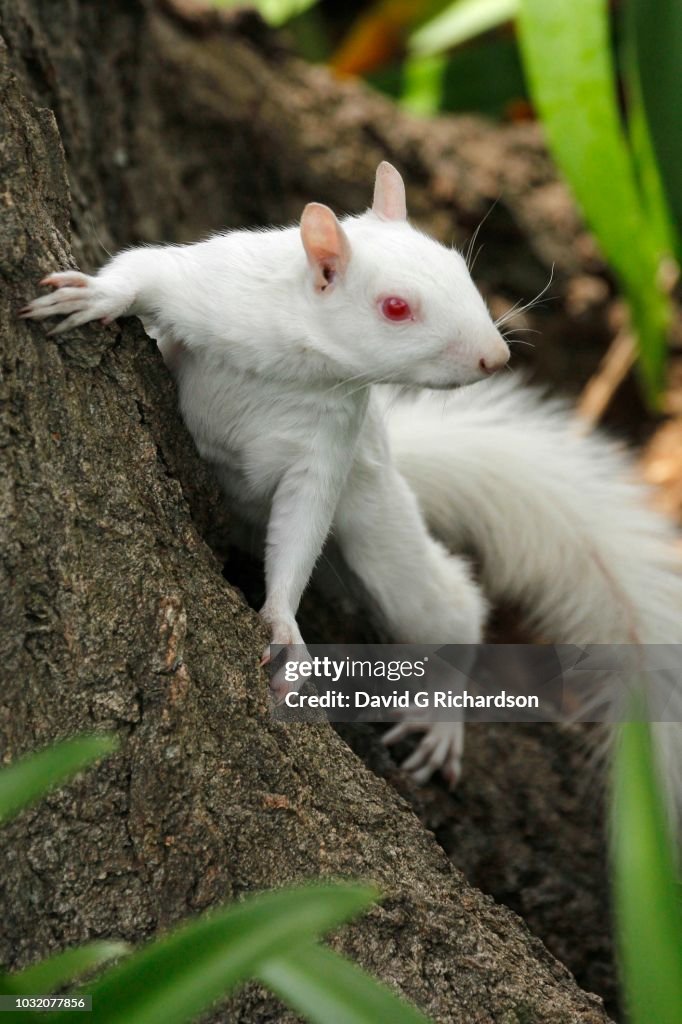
(278, 339)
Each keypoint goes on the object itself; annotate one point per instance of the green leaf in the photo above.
(31, 777)
(175, 978)
(423, 79)
(460, 22)
(647, 900)
(16, 1016)
(647, 171)
(325, 987)
(655, 34)
(648, 177)
(55, 972)
(567, 57)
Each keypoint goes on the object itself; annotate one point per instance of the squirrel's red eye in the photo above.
(395, 308)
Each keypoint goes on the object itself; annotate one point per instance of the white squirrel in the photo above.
(278, 339)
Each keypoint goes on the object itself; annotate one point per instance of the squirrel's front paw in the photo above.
(285, 675)
(77, 297)
(284, 633)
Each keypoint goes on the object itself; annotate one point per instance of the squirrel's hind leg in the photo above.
(424, 594)
(440, 749)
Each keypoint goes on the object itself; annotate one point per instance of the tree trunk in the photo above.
(129, 122)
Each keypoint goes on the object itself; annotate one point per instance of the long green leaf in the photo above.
(460, 22)
(175, 978)
(325, 987)
(647, 899)
(31, 777)
(648, 175)
(655, 33)
(567, 57)
(56, 971)
(650, 183)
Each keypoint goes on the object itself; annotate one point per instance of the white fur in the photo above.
(277, 339)
(559, 520)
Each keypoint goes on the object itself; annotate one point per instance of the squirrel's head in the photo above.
(389, 303)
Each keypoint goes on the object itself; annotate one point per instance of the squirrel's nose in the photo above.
(495, 360)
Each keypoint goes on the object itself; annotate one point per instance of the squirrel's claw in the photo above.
(440, 748)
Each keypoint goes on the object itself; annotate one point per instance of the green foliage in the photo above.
(424, 83)
(567, 55)
(51, 974)
(174, 978)
(23, 783)
(655, 36)
(647, 897)
(460, 22)
(651, 190)
(615, 177)
(485, 76)
(613, 172)
(325, 987)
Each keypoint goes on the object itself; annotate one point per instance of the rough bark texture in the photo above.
(123, 123)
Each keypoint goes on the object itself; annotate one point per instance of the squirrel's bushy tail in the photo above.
(559, 522)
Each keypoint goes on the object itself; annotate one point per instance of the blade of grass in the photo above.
(460, 22)
(654, 28)
(567, 57)
(16, 1016)
(56, 971)
(325, 987)
(647, 898)
(651, 190)
(423, 81)
(175, 978)
(31, 777)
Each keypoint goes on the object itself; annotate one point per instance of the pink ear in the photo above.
(325, 243)
(389, 193)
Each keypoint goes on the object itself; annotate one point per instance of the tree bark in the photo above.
(129, 122)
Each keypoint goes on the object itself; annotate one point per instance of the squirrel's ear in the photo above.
(325, 243)
(389, 193)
